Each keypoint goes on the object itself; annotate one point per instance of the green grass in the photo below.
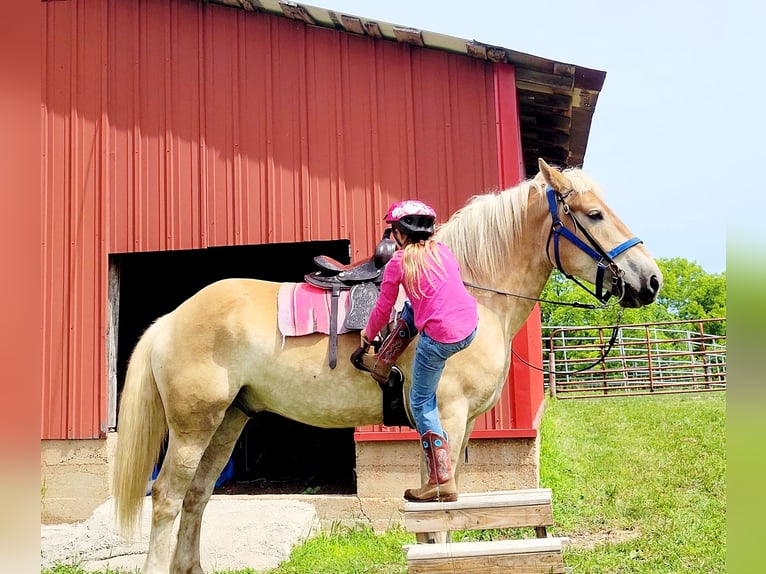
(646, 472)
(69, 569)
(638, 485)
(350, 551)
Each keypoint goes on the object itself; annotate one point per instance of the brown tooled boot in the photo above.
(392, 348)
(441, 482)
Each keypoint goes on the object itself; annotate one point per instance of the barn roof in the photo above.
(556, 100)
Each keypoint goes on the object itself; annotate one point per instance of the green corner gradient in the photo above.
(746, 404)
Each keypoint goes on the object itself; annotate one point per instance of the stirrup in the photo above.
(379, 377)
(356, 358)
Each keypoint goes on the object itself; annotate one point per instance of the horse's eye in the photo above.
(595, 215)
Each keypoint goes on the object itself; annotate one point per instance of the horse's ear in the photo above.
(553, 177)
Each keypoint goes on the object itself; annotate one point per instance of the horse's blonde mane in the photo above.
(481, 234)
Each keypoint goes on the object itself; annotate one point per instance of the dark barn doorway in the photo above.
(273, 455)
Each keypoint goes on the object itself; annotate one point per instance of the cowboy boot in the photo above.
(392, 348)
(441, 482)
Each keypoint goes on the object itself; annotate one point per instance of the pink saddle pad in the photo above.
(303, 309)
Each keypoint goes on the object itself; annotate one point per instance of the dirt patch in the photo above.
(591, 540)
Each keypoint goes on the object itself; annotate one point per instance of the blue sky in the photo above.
(660, 142)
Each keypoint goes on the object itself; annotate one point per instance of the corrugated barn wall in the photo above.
(181, 125)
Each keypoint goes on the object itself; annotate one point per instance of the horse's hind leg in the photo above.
(187, 558)
(186, 447)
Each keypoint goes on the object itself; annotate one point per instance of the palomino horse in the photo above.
(196, 370)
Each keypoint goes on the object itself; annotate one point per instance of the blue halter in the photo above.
(604, 259)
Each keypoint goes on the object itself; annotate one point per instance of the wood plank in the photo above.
(549, 563)
(522, 497)
(501, 556)
(475, 511)
(521, 492)
(484, 548)
(480, 518)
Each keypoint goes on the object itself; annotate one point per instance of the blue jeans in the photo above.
(430, 357)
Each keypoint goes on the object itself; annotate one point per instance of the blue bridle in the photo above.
(604, 259)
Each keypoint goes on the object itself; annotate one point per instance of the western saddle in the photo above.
(362, 279)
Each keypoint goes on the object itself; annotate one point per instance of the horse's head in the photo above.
(587, 240)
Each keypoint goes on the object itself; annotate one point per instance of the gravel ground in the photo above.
(237, 533)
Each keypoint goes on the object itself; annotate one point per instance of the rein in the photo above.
(576, 304)
(610, 344)
(563, 303)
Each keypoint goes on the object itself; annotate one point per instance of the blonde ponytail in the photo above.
(419, 260)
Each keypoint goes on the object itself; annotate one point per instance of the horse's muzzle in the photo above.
(633, 298)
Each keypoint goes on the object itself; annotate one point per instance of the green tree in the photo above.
(691, 293)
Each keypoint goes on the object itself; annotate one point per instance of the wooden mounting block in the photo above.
(481, 511)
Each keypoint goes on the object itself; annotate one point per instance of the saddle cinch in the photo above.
(363, 280)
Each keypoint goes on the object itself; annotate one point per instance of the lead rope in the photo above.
(445, 524)
(448, 537)
(576, 304)
(612, 339)
(447, 531)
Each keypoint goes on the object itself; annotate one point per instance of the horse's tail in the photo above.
(141, 430)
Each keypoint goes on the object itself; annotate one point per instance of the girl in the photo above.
(445, 314)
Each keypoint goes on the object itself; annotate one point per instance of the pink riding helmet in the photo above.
(413, 218)
(408, 207)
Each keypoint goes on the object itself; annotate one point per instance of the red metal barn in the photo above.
(184, 141)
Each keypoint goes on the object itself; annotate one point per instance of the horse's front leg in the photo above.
(457, 450)
(187, 555)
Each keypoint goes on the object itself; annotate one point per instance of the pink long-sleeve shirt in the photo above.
(447, 314)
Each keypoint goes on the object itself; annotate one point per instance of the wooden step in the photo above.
(478, 511)
(527, 556)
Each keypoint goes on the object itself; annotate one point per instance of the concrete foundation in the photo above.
(385, 468)
(348, 510)
(76, 478)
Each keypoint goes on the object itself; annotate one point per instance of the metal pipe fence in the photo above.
(647, 358)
